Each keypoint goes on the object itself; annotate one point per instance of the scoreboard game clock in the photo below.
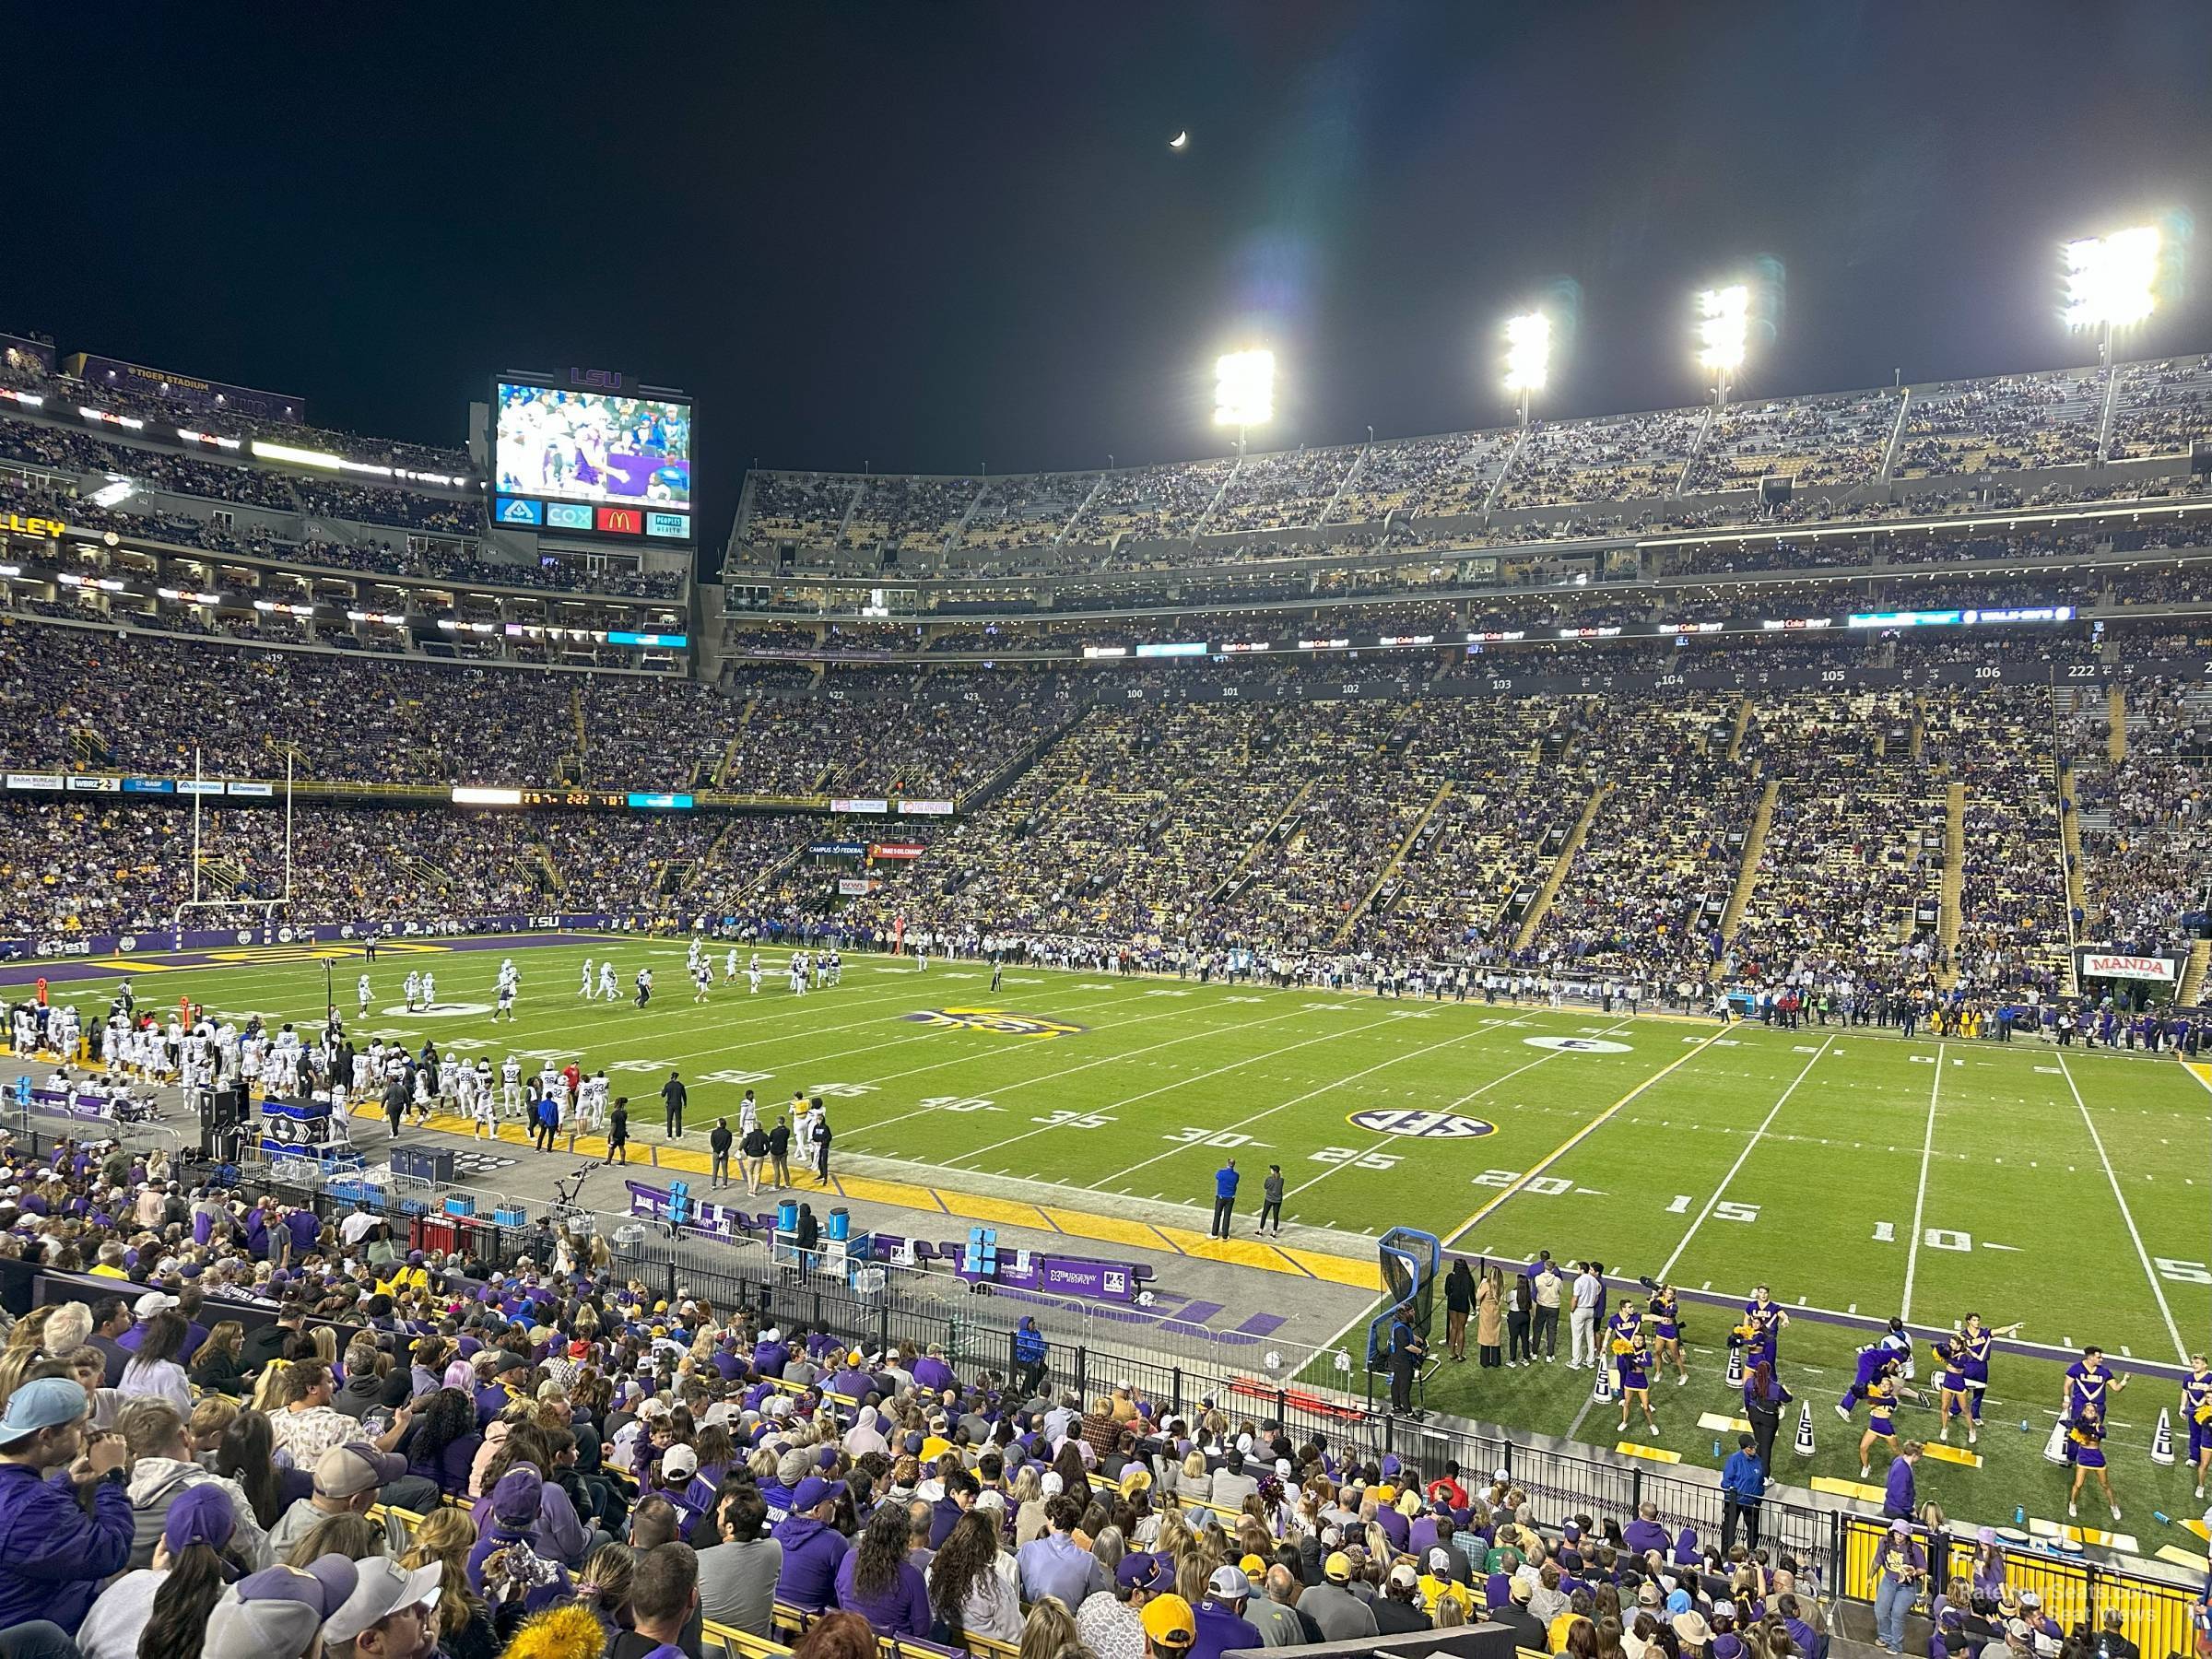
(619, 800)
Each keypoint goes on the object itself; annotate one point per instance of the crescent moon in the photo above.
(1181, 141)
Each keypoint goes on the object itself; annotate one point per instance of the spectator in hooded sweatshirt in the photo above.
(812, 1552)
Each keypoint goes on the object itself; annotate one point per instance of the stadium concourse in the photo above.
(1487, 767)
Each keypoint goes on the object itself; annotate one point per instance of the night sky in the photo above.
(926, 237)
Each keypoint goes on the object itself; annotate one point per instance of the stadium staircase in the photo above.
(2193, 974)
(279, 752)
(1755, 846)
(675, 876)
(1953, 870)
(1262, 842)
(1357, 467)
(423, 871)
(1221, 495)
(2070, 866)
(2115, 740)
(1560, 866)
(1743, 724)
(1896, 439)
(88, 748)
(958, 532)
(1512, 459)
(1696, 448)
(224, 875)
(845, 520)
(1397, 861)
(1076, 517)
(536, 866)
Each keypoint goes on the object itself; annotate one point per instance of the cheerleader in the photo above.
(1666, 1333)
(1882, 1396)
(2086, 1436)
(1954, 1394)
(1632, 1362)
(1980, 1341)
(2197, 1414)
(1766, 1318)
(2087, 1384)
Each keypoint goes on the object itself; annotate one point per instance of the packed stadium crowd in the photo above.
(237, 1428)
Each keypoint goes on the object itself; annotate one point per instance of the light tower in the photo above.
(1528, 356)
(1245, 391)
(2111, 283)
(1724, 324)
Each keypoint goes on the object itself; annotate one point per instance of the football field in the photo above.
(1856, 1173)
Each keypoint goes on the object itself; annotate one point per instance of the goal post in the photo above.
(257, 913)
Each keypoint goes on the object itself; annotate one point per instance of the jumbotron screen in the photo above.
(591, 463)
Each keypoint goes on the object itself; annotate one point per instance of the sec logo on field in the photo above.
(994, 1020)
(1428, 1125)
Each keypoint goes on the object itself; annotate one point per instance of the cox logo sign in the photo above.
(1427, 1126)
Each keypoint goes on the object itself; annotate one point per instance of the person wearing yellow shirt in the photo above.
(1437, 1582)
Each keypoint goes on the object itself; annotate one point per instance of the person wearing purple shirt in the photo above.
(1222, 1627)
(931, 1375)
(1898, 1493)
(1644, 1533)
(770, 1356)
(1396, 1527)
(812, 1552)
(853, 1384)
(1900, 1566)
(894, 1601)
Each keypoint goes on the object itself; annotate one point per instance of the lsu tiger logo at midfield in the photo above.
(1005, 1023)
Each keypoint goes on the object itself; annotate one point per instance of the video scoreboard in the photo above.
(592, 460)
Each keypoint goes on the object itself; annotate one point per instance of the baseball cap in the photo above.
(353, 1468)
(1135, 1569)
(199, 1514)
(518, 1495)
(814, 1489)
(43, 1403)
(1252, 1566)
(1440, 1562)
(1229, 1583)
(151, 1303)
(680, 1463)
(1168, 1621)
(275, 1614)
(1901, 1526)
(1337, 1569)
(2017, 1630)
(383, 1588)
(1404, 1577)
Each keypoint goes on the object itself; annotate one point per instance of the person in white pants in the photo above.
(1586, 1293)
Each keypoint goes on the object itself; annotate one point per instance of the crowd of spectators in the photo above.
(1288, 490)
(1814, 442)
(2144, 846)
(2014, 423)
(1618, 458)
(580, 1467)
(2162, 409)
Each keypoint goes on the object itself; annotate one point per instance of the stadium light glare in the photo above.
(1723, 323)
(2111, 281)
(1245, 389)
(1527, 352)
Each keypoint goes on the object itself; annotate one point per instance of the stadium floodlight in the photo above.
(2111, 281)
(1244, 390)
(1527, 356)
(1724, 325)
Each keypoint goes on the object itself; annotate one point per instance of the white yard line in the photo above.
(1736, 1169)
(2126, 1215)
(1175, 1083)
(1920, 1195)
(1054, 1077)
(1471, 1094)
(1295, 1100)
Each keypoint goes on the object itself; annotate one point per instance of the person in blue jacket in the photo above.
(52, 1554)
(1225, 1198)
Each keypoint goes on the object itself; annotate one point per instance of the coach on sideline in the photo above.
(1225, 1198)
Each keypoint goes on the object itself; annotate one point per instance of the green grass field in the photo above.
(1849, 1171)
